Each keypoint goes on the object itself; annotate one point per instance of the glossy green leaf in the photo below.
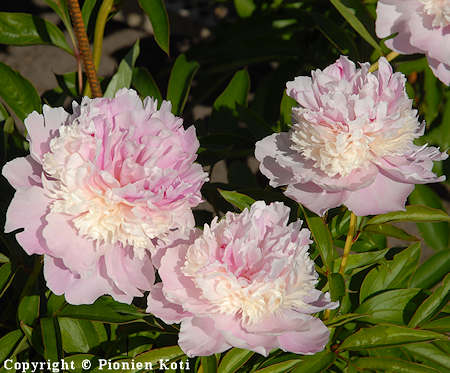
(433, 96)
(51, 338)
(435, 234)
(432, 270)
(391, 306)
(209, 364)
(428, 352)
(351, 18)
(104, 309)
(145, 84)
(28, 310)
(361, 260)
(235, 93)
(27, 29)
(18, 92)
(233, 360)
(342, 319)
(387, 335)
(417, 213)
(238, 200)
(244, 8)
(180, 80)
(337, 286)
(81, 335)
(157, 13)
(86, 11)
(322, 237)
(5, 277)
(124, 75)
(154, 356)
(3, 259)
(282, 367)
(391, 231)
(391, 365)
(286, 105)
(391, 274)
(432, 305)
(8, 343)
(439, 325)
(316, 363)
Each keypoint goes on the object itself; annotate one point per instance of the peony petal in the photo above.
(42, 128)
(315, 198)
(198, 337)
(383, 196)
(79, 254)
(23, 172)
(27, 210)
(313, 339)
(158, 305)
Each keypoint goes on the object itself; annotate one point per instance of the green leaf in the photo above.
(244, 8)
(391, 365)
(342, 319)
(81, 335)
(18, 92)
(124, 75)
(145, 84)
(171, 353)
(8, 343)
(432, 271)
(391, 306)
(86, 11)
(28, 309)
(51, 338)
(5, 277)
(322, 237)
(433, 96)
(351, 18)
(209, 364)
(391, 231)
(360, 261)
(286, 105)
(391, 274)
(432, 305)
(180, 80)
(157, 13)
(436, 234)
(387, 335)
(235, 93)
(68, 83)
(27, 29)
(337, 286)
(439, 325)
(104, 309)
(238, 200)
(415, 213)
(316, 363)
(233, 360)
(428, 352)
(282, 367)
(3, 259)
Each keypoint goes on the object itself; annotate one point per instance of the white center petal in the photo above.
(440, 9)
(341, 149)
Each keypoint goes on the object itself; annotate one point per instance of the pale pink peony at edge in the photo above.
(422, 26)
(245, 281)
(100, 189)
(351, 142)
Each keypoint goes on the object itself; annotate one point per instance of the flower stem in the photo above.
(389, 57)
(83, 47)
(100, 23)
(348, 243)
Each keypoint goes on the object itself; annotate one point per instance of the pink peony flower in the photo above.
(100, 188)
(246, 281)
(351, 142)
(423, 26)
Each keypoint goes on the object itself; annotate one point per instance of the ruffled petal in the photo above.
(23, 172)
(158, 305)
(27, 210)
